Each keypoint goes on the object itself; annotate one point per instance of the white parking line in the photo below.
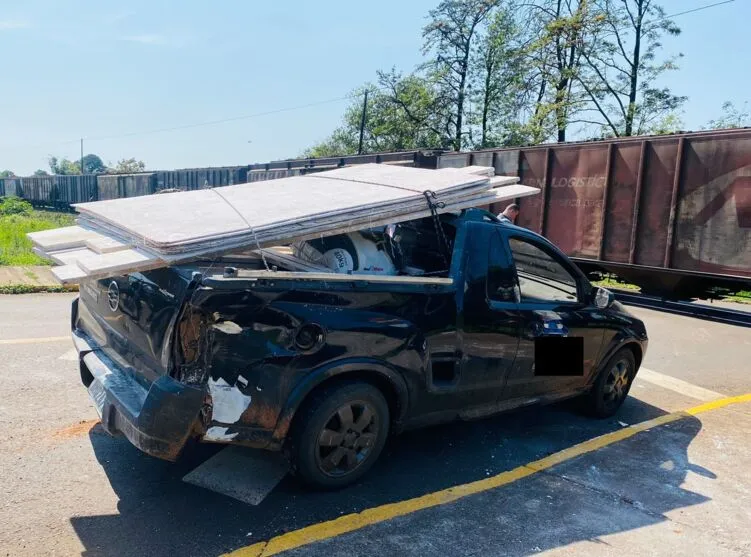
(34, 340)
(677, 385)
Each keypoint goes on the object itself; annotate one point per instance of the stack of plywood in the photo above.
(135, 234)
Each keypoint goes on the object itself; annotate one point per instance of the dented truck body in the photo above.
(192, 352)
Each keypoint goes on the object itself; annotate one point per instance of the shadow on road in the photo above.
(161, 515)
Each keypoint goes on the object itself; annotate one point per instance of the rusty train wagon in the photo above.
(296, 167)
(669, 213)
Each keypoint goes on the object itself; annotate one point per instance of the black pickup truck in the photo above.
(325, 366)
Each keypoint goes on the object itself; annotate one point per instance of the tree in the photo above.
(7, 174)
(498, 78)
(566, 27)
(92, 164)
(511, 72)
(732, 117)
(128, 166)
(63, 166)
(339, 143)
(623, 68)
(40, 172)
(401, 116)
(408, 113)
(449, 39)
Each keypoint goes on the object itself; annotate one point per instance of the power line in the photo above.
(698, 9)
(223, 120)
(195, 125)
(308, 105)
(319, 103)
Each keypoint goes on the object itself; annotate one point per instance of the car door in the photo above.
(559, 334)
(489, 323)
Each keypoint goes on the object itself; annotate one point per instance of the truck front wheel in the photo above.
(340, 434)
(612, 385)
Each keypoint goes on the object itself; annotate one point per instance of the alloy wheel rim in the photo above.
(347, 439)
(617, 382)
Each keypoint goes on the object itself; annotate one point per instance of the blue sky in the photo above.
(96, 69)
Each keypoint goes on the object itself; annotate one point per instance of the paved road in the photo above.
(678, 488)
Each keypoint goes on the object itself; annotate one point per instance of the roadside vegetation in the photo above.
(17, 217)
(737, 296)
(612, 281)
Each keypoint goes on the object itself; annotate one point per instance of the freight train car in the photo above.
(57, 192)
(10, 187)
(423, 159)
(115, 186)
(197, 178)
(669, 213)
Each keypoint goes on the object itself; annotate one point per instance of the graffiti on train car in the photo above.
(579, 182)
(715, 224)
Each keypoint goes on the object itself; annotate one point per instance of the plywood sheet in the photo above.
(66, 257)
(69, 273)
(118, 261)
(106, 244)
(173, 219)
(61, 238)
(137, 234)
(141, 260)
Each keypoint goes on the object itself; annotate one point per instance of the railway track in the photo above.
(690, 309)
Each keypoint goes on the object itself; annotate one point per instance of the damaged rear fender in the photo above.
(385, 377)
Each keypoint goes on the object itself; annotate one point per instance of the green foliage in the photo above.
(732, 117)
(14, 206)
(7, 174)
(514, 72)
(502, 80)
(128, 166)
(613, 281)
(40, 172)
(622, 68)
(15, 247)
(400, 116)
(36, 288)
(669, 123)
(452, 30)
(92, 164)
(63, 166)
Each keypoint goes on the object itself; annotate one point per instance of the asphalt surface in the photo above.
(682, 488)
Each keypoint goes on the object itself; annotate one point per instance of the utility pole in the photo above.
(82, 172)
(362, 121)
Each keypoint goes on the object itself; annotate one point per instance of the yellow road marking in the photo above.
(356, 521)
(33, 340)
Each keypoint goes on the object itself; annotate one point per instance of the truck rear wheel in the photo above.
(340, 434)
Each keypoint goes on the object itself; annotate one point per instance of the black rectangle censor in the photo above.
(559, 356)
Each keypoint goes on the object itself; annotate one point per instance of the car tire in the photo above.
(612, 385)
(339, 434)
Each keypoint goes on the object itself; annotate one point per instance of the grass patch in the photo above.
(15, 247)
(739, 297)
(35, 288)
(613, 282)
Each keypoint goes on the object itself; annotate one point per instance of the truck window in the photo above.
(542, 277)
(501, 282)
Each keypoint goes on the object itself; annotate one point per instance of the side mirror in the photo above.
(510, 294)
(603, 298)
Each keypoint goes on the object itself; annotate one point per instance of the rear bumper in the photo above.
(157, 419)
